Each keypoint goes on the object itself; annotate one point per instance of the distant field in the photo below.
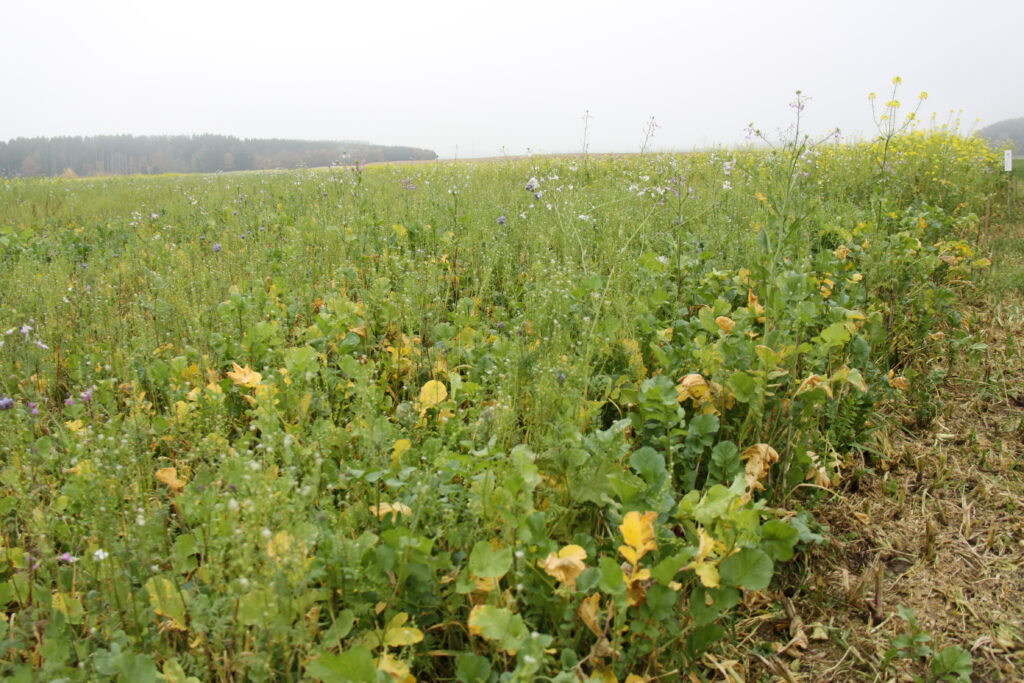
(554, 418)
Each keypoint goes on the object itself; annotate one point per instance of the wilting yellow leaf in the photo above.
(565, 565)
(636, 588)
(760, 457)
(814, 381)
(900, 382)
(590, 613)
(396, 668)
(169, 476)
(725, 323)
(384, 509)
(246, 377)
(691, 386)
(74, 425)
(841, 252)
(400, 447)
(432, 393)
(638, 533)
(633, 678)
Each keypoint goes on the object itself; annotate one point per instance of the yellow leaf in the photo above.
(633, 678)
(725, 323)
(566, 565)
(384, 509)
(398, 670)
(691, 386)
(399, 447)
(169, 476)
(638, 533)
(397, 634)
(590, 613)
(246, 377)
(432, 393)
(760, 457)
(707, 573)
(74, 425)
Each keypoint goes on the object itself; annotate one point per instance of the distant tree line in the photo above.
(1010, 130)
(127, 154)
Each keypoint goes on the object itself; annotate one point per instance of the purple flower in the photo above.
(216, 246)
(87, 395)
(501, 220)
(25, 329)
(6, 403)
(67, 558)
(69, 401)
(33, 408)
(532, 184)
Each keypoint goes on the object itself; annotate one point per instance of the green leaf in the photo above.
(750, 568)
(352, 666)
(472, 668)
(703, 425)
(649, 464)
(836, 334)
(488, 563)
(714, 505)
(953, 662)
(499, 625)
(255, 607)
(778, 539)
(166, 600)
(612, 581)
(665, 571)
(725, 462)
(743, 387)
(134, 668)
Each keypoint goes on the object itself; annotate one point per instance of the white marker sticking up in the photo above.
(1008, 161)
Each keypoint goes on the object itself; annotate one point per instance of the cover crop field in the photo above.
(543, 419)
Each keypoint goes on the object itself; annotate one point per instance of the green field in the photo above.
(543, 419)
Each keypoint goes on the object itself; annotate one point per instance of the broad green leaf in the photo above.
(953, 661)
(488, 563)
(501, 626)
(743, 387)
(472, 668)
(355, 665)
(750, 568)
(255, 607)
(778, 539)
(166, 600)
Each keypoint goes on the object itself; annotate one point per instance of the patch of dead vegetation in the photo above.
(941, 532)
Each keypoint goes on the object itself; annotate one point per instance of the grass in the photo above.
(545, 417)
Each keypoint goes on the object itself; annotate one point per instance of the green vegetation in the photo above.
(550, 418)
(154, 154)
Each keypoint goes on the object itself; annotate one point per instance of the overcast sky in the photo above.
(478, 77)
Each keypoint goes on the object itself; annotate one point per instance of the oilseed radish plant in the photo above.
(541, 419)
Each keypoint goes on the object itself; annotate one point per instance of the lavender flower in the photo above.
(33, 408)
(216, 246)
(532, 184)
(69, 401)
(6, 403)
(87, 395)
(67, 558)
(501, 220)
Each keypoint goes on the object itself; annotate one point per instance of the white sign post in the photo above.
(1008, 167)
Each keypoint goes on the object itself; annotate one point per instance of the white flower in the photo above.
(100, 555)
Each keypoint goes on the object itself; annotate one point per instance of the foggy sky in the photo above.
(478, 78)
